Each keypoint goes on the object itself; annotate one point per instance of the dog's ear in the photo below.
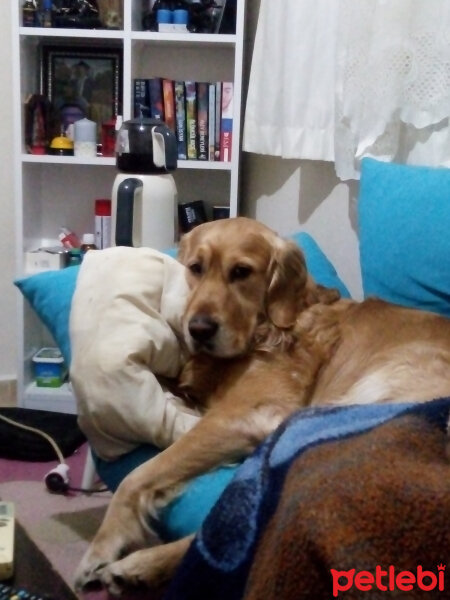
(287, 285)
(183, 249)
(318, 294)
(291, 288)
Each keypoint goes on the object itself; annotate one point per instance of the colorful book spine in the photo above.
(191, 119)
(200, 114)
(218, 117)
(211, 120)
(202, 120)
(180, 118)
(226, 123)
(156, 98)
(169, 103)
(141, 100)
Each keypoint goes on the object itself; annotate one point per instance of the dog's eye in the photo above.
(240, 272)
(196, 268)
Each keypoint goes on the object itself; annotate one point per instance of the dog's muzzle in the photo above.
(202, 329)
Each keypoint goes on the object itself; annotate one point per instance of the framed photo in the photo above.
(82, 82)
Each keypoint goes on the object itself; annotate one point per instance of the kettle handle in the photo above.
(124, 211)
(165, 152)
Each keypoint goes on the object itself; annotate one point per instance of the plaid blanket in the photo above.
(345, 502)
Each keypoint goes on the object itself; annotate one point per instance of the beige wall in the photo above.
(293, 195)
(8, 346)
(287, 195)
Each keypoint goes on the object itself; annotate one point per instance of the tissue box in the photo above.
(49, 368)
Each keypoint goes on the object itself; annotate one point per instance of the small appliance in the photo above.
(144, 195)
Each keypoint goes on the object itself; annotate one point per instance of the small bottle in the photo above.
(74, 257)
(29, 13)
(109, 137)
(46, 16)
(102, 223)
(88, 243)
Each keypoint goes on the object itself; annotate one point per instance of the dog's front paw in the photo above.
(89, 571)
(146, 568)
(137, 570)
(108, 547)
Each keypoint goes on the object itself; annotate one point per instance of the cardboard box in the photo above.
(45, 259)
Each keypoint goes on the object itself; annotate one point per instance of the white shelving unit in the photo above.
(52, 191)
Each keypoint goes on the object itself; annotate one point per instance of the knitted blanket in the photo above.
(349, 502)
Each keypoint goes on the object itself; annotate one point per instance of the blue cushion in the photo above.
(50, 294)
(318, 264)
(404, 219)
(186, 513)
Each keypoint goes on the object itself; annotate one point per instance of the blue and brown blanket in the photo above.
(345, 502)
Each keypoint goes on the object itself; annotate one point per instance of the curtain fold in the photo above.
(338, 81)
(290, 103)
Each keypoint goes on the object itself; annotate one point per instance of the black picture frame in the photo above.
(83, 81)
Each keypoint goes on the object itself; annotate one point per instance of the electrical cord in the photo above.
(49, 439)
(57, 480)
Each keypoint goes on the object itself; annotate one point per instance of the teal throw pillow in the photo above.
(404, 219)
(318, 264)
(50, 294)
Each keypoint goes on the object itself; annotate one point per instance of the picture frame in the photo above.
(82, 82)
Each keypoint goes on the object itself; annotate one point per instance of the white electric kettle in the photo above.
(144, 195)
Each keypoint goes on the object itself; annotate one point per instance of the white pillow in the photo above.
(124, 321)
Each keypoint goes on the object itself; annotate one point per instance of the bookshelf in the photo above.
(55, 191)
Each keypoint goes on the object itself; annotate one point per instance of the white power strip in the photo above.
(6, 539)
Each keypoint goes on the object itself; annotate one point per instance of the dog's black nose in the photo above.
(202, 328)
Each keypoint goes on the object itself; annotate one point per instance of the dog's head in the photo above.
(241, 274)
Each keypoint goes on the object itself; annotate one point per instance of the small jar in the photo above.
(74, 257)
(29, 13)
(88, 243)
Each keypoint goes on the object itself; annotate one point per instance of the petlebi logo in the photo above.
(388, 580)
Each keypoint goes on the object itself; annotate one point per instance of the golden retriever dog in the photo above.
(265, 341)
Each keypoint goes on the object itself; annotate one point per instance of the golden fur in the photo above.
(265, 340)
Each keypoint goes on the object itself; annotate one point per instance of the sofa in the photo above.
(334, 493)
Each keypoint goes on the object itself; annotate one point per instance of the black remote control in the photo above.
(8, 592)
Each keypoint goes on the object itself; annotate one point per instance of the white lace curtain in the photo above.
(339, 80)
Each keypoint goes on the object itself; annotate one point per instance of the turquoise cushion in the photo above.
(404, 220)
(185, 514)
(318, 264)
(50, 294)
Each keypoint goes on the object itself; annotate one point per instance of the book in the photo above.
(202, 120)
(191, 119)
(211, 120)
(226, 122)
(169, 103)
(140, 100)
(155, 96)
(180, 119)
(218, 117)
